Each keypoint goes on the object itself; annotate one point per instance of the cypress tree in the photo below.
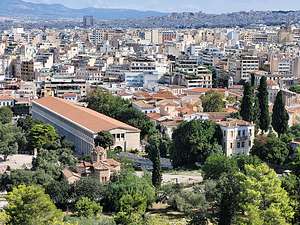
(153, 150)
(247, 106)
(252, 80)
(263, 98)
(280, 116)
(156, 172)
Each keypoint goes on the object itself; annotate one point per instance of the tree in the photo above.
(153, 151)
(42, 135)
(127, 183)
(30, 205)
(217, 164)
(291, 183)
(132, 209)
(89, 187)
(213, 101)
(193, 142)
(262, 200)
(104, 139)
(10, 139)
(85, 207)
(271, 149)
(6, 115)
(263, 97)
(120, 109)
(60, 193)
(280, 116)
(247, 110)
(252, 80)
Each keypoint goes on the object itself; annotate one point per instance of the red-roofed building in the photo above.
(81, 125)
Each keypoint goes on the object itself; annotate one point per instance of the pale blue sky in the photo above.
(209, 6)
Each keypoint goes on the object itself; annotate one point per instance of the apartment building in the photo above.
(238, 136)
(247, 64)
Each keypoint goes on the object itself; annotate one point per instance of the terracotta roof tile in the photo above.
(82, 116)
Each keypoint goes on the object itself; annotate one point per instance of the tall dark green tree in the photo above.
(252, 80)
(280, 116)
(247, 111)
(153, 150)
(263, 97)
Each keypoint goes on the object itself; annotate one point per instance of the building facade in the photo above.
(81, 125)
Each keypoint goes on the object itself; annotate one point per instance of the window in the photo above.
(250, 131)
(243, 144)
(122, 136)
(118, 135)
(224, 133)
(231, 145)
(250, 143)
(244, 133)
(238, 145)
(239, 133)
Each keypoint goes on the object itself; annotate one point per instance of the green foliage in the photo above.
(193, 142)
(120, 109)
(295, 88)
(60, 193)
(248, 111)
(213, 101)
(291, 183)
(188, 201)
(217, 164)
(30, 205)
(6, 115)
(153, 150)
(104, 139)
(98, 220)
(263, 97)
(42, 135)
(85, 207)
(165, 146)
(271, 149)
(89, 187)
(128, 184)
(227, 191)
(262, 200)
(280, 116)
(132, 209)
(294, 162)
(11, 139)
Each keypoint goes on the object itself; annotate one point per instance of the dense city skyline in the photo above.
(177, 5)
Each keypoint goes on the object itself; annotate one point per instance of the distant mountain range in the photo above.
(200, 19)
(145, 19)
(19, 8)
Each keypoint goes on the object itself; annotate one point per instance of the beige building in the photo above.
(238, 136)
(81, 125)
(100, 167)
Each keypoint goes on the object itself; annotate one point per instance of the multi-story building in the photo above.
(245, 66)
(81, 125)
(59, 87)
(238, 136)
(198, 76)
(27, 70)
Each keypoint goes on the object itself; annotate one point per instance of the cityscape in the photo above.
(149, 113)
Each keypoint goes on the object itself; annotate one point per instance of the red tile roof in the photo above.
(82, 116)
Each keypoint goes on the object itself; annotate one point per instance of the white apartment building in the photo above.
(195, 77)
(246, 65)
(238, 136)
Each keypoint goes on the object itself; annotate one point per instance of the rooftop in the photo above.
(87, 118)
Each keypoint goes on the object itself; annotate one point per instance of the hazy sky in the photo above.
(209, 6)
